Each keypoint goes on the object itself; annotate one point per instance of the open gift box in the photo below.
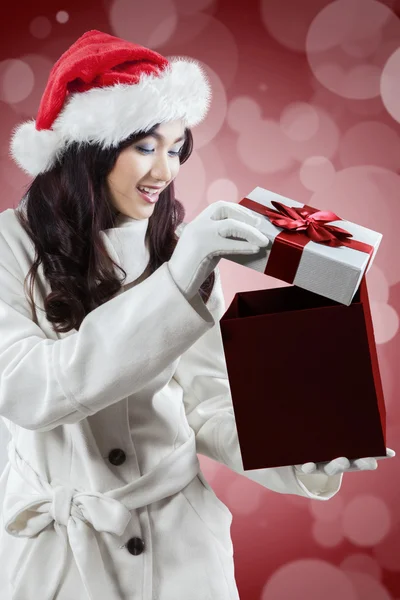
(315, 250)
(304, 377)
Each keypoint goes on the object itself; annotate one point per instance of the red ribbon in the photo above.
(301, 225)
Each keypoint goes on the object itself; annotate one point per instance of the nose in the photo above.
(161, 170)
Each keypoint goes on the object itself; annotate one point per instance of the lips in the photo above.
(151, 199)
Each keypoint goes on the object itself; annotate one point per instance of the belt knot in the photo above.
(61, 505)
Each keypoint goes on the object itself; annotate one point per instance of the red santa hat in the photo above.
(104, 89)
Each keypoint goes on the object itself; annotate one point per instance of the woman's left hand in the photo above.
(343, 464)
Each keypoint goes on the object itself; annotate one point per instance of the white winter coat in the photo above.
(103, 497)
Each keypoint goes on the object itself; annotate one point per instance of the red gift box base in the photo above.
(304, 377)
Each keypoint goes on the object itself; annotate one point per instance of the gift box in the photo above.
(304, 377)
(312, 249)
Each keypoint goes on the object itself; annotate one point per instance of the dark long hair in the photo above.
(65, 210)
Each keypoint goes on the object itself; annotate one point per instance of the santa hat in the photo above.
(104, 89)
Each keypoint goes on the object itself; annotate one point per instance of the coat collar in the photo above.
(126, 244)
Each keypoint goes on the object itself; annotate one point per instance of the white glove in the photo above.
(205, 240)
(343, 464)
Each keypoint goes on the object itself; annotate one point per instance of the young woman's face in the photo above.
(151, 162)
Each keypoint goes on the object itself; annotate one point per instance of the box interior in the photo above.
(277, 300)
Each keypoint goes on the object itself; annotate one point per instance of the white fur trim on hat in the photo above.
(110, 114)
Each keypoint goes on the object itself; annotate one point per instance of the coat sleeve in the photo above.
(203, 377)
(119, 348)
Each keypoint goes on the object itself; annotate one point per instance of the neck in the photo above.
(126, 221)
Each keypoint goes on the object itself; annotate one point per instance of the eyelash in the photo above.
(146, 151)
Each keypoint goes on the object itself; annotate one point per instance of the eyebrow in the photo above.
(158, 136)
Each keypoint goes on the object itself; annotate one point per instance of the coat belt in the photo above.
(75, 514)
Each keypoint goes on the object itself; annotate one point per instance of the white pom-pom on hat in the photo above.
(34, 151)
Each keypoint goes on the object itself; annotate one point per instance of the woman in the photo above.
(112, 387)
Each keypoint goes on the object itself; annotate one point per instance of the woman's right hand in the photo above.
(205, 240)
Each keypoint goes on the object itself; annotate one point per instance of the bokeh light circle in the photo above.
(290, 32)
(390, 85)
(385, 320)
(299, 121)
(339, 46)
(308, 578)
(16, 80)
(323, 142)
(366, 520)
(239, 498)
(317, 173)
(327, 534)
(222, 189)
(40, 27)
(378, 287)
(148, 27)
(210, 41)
(62, 17)
(207, 130)
(368, 587)
(243, 112)
(360, 562)
(328, 512)
(364, 47)
(40, 67)
(370, 143)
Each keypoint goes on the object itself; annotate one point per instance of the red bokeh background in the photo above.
(305, 104)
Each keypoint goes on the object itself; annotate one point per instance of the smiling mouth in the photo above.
(150, 198)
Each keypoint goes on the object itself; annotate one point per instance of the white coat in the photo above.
(102, 496)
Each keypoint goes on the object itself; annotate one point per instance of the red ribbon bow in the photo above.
(313, 224)
(302, 225)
